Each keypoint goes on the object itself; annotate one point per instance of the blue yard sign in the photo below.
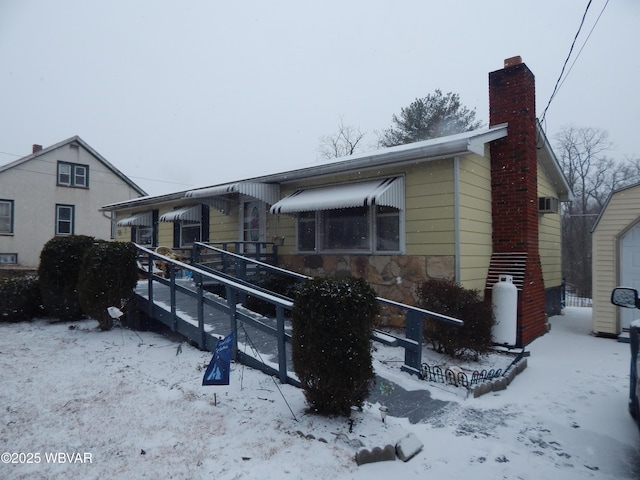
(217, 372)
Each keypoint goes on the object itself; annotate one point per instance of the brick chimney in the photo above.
(514, 189)
(36, 148)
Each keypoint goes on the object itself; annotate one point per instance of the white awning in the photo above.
(267, 192)
(192, 213)
(386, 191)
(140, 219)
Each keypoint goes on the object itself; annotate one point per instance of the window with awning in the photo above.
(267, 192)
(385, 192)
(362, 217)
(191, 213)
(140, 219)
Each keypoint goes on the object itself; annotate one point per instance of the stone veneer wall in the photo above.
(395, 277)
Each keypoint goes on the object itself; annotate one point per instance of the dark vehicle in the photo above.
(628, 297)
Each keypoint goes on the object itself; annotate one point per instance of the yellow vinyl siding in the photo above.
(429, 209)
(549, 236)
(475, 221)
(621, 213)
(224, 227)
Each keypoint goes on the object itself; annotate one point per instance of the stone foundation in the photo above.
(395, 277)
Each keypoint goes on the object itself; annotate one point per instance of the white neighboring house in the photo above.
(56, 191)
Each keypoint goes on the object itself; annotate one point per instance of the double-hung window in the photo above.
(6, 217)
(65, 219)
(190, 232)
(73, 174)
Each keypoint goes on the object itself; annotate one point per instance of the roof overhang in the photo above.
(472, 142)
(549, 162)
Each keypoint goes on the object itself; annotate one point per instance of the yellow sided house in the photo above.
(56, 191)
(616, 259)
(466, 207)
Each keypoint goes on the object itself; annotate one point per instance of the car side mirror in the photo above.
(625, 297)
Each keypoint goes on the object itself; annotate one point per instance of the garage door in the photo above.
(630, 270)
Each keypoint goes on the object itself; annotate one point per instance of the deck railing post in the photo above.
(282, 352)
(233, 320)
(172, 295)
(150, 285)
(201, 314)
(413, 331)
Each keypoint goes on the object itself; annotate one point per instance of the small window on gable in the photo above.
(73, 174)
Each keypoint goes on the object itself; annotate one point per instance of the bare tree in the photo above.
(592, 177)
(343, 143)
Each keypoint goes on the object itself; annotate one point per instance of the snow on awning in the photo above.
(140, 219)
(192, 213)
(267, 192)
(387, 191)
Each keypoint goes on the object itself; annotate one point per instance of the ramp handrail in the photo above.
(411, 342)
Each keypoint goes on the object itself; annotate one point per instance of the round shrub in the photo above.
(107, 278)
(58, 271)
(20, 299)
(448, 298)
(331, 342)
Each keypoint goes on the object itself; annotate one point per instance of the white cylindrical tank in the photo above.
(505, 309)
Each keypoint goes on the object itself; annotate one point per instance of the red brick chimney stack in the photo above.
(514, 186)
(36, 148)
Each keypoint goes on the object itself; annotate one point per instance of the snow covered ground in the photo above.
(80, 403)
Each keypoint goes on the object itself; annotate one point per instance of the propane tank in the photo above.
(505, 310)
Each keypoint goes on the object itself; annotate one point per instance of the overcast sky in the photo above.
(188, 93)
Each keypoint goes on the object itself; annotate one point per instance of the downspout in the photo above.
(456, 217)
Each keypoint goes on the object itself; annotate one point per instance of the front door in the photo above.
(253, 224)
(630, 271)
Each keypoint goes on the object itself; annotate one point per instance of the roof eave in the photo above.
(551, 165)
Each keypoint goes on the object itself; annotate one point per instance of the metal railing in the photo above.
(239, 264)
(196, 331)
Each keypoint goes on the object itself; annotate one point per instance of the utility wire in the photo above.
(557, 86)
(583, 44)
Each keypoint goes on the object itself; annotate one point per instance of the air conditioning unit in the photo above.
(548, 205)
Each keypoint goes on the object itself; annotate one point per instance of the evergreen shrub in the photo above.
(448, 298)
(107, 278)
(20, 299)
(331, 342)
(277, 283)
(58, 272)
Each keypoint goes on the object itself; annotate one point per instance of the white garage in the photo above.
(616, 259)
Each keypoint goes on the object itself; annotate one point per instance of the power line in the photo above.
(583, 44)
(557, 85)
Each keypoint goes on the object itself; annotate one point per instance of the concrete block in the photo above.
(521, 365)
(511, 374)
(408, 446)
(377, 454)
(481, 389)
(499, 384)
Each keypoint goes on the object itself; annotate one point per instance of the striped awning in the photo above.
(192, 213)
(267, 192)
(386, 191)
(140, 219)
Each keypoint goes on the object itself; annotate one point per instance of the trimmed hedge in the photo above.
(448, 298)
(107, 278)
(20, 299)
(331, 342)
(60, 261)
